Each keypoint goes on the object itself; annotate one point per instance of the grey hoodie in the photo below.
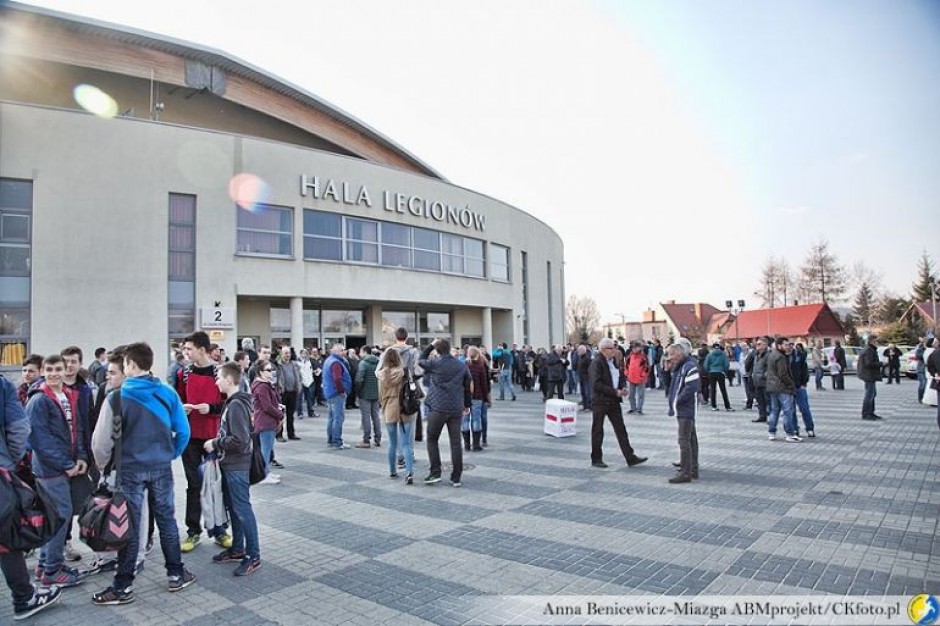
(234, 439)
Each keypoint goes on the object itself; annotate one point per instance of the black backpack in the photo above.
(410, 396)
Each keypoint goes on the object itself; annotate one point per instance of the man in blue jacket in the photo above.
(58, 444)
(14, 434)
(448, 400)
(149, 419)
(683, 390)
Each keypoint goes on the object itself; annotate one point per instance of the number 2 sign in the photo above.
(217, 317)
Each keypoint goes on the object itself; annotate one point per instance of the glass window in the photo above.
(499, 262)
(311, 323)
(428, 260)
(181, 270)
(323, 235)
(393, 320)
(427, 239)
(362, 252)
(16, 194)
(323, 224)
(16, 205)
(396, 234)
(452, 244)
(474, 264)
(361, 230)
(267, 229)
(320, 248)
(182, 266)
(14, 227)
(14, 260)
(435, 322)
(182, 293)
(344, 322)
(393, 256)
(280, 321)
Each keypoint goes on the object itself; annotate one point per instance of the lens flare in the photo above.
(95, 101)
(248, 191)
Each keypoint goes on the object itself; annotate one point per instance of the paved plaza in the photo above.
(853, 511)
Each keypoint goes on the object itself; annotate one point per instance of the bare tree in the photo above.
(584, 319)
(767, 290)
(822, 277)
(785, 281)
(867, 286)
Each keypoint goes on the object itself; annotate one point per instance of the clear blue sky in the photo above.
(654, 135)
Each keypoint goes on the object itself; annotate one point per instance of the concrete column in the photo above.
(374, 321)
(488, 328)
(297, 323)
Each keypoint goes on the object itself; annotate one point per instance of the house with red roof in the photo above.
(805, 323)
(697, 321)
(923, 314)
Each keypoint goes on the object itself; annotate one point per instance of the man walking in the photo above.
(289, 384)
(504, 360)
(717, 366)
(608, 389)
(869, 371)
(584, 376)
(448, 400)
(337, 383)
(759, 376)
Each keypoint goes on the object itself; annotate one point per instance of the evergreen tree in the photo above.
(864, 304)
(921, 290)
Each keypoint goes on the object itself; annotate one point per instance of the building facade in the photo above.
(214, 196)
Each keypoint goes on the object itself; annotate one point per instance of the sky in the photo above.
(674, 145)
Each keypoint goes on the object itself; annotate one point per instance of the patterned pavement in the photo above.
(854, 511)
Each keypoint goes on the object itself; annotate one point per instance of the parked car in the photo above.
(851, 356)
(909, 363)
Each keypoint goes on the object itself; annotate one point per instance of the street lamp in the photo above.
(735, 310)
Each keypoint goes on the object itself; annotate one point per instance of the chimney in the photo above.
(698, 311)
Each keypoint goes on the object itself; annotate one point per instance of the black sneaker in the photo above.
(277, 465)
(431, 479)
(636, 460)
(180, 581)
(42, 598)
(248, 565)
(112, 596)
(409, 479)
(228, 556)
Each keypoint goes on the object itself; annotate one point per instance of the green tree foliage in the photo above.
(926, 276)
(898, 334)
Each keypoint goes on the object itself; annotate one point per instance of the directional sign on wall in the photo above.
(216, 317)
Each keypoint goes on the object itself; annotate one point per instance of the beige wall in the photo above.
(100, 232)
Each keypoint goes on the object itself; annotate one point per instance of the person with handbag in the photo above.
(472, 425)
(234, 445)
(267, 416)
(399, 426)
(59, 453)
(14, 434)
(153, 431)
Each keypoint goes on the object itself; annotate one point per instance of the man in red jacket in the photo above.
(638, 371)
(202, 402)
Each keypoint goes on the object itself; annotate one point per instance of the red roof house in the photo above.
(804, 323)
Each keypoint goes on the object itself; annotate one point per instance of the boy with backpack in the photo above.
(14, 433)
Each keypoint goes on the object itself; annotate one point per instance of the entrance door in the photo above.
(355, 341)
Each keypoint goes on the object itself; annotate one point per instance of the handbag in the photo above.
(28, 516)
(104, 520)
(935, 384)
(256, 467)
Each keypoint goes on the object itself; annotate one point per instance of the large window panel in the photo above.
(474, 263)
(181, 266)
(321, 248)
(267, 230)
(16, 206)
(362, 252)
(499, 262)
(362, 230)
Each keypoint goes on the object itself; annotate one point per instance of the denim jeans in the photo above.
(572, 382)
(921, 383)
(802, 403)
(505, 380)
(484, 410)
(308, 397)
(868, 403)
(335, 419)
(266, 439)
(474, 420)
(818, 375)
(13, 565)
(160, 483)
(400, 435)
(585, 393)
(637, 396)
(370, 420)
(237, 500)
(50, 554)
(781, 402)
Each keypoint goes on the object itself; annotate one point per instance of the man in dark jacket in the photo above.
(59, 453)
(584, 376)
(933, 368)
(781, 389)
(759, 376)
(14, 434)
(869, 371)
(893, 356)
(448, 400)
(838, 353)
(367, 388)
(234, 444)
(608, 387)
(799, 369)
(556, 365)
(683, 392)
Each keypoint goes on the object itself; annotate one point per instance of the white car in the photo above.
(909, 363)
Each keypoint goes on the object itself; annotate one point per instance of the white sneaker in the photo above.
(772, 436)
(70, 553)
(271, 479)
(794, 439)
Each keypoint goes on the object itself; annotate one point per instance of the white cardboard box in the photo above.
(561, 418)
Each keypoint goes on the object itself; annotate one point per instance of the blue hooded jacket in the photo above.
(154, 426)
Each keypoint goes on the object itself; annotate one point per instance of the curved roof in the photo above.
(229, 63)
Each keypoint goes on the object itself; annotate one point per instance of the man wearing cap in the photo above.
(869, 371)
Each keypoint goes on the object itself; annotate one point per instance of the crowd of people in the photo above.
(62, 425)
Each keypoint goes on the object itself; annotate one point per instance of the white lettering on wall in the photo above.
(393, 202)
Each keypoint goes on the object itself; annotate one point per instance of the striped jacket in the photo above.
(683, 388)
